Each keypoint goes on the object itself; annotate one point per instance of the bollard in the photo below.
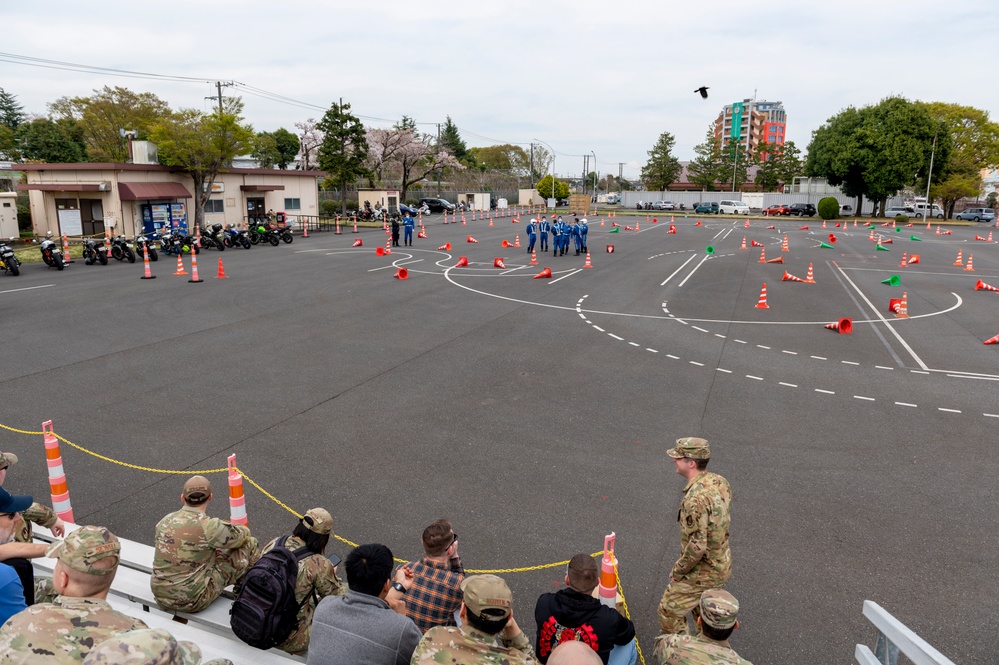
(57, 475)
(237, 503)
(608, 575)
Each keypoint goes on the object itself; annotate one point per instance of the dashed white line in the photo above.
(825, 392)
(634, 344)
(598, 328)
(651, 350)
(740, 341)
(760, 346)
(755, 378)
(882, 367)
(588, 321)
(717, 335)
(819, 358)
(670, 355)
(620, 339)
(789, 385)
(720, 369)
(790, 353)
(991, 415)
(905, 404)
(701, 329)
(916, 371)
(848, 362)
(940, 408)
(694, 362)
(869, 399)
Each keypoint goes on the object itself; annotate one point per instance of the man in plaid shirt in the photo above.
(435, 594)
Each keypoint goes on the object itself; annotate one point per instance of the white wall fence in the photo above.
(752, 199)
(894, 638)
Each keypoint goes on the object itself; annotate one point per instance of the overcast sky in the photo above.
(606, 77)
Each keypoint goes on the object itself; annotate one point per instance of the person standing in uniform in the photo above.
(197, 556)
(705, 558)
(316, 575)
(409, 224)
(532, 234)
(577, 236)
(582, 232)
(488, 634)
(395, 231)
(719, 611)
(64, 631)
(543, 228)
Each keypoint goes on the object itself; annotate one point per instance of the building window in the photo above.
(213, 205)
(293, 204)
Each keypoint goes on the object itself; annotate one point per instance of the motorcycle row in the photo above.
(173, 243)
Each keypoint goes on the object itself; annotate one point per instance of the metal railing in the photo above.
(894, 638)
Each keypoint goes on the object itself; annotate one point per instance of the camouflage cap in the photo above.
(487, 592)
(691, 447)
(318, 520)
(7, 460)
(144, 647)
(81, 549)
(719, 608)
(195, 486)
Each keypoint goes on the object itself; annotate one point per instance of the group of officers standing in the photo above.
(562, 233)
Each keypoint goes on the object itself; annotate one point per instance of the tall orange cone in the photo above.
(65, 250)
(462, 262)
(788, 277)
(843, 326)
(588, 264)
(194, 269)
(905, 260)
(516, 240)
(534, 258)
(355, 224)
(180, 265)
(607, 589)
(990, 236)
(490, 221)
(305, 227)
(305, 233)
(903, 310)
(498, 263)
(762, 303)
(546, 272)
(237, 502)
(743, 242)
(388, 244)
(401, 273)
(968, 267)
(221, 273)
(810, 277)
(763, 255)
(784, 246)
(147, 273)
(58, 489)
(959, 262)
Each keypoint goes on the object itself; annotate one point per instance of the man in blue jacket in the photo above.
(408, 223)
(543, 228)
(532, 234)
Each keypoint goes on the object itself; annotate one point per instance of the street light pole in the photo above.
(552, 168)
(595, 171)
(929, 176)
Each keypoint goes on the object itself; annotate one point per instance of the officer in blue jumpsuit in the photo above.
(583, 229)
(577, 236)
(543, 228)
(556, 237)
(408, 224)
(532, 234)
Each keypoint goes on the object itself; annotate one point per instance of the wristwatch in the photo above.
(399, 587)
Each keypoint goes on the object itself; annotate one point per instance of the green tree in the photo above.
(735, 164)
(777, 165)
(11, 112)
(45, 140)
(108, 111)
(539, 161)
(287, 147)
(8, 144)
(707, 167)
(277, 148)
(202, 145)
(548, 190)
(509, 158)
(344, 148)
(828, 208)
(663, 168)
(451, 141)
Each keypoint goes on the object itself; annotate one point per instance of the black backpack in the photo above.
(264, 612)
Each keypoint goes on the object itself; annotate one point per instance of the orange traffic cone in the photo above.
(401, 273)
(754, 243)
(628, 228)
(823, 223)
(636, 223)
(698, 223)
(534, 258)
(358, 242)
(305, 233)
(180, 265)
(968, 267)
(993, 340)
(905, 260)
(221, 272)
(355, 224)
(810, 277)
(147, 273)
(743, 242)
(913, 258)
(305, 227)
(788, 277)
(194, 268)
(446, 247)
(471, 239)
(785, 247)
(588, 264)
(763, 255)
(498, 263)
(672, 229)
(388, 244)
(463, 221)
(601, 222)
(66, 258)
(843, 326)
(903, 309)
(462, 262)
(779, 259)
(747, 223)
(989, 239)
(983, 286)
(516, 241)
(379, 251)
(547, 272)
(490, 221)
(762, 303)
(506, 243)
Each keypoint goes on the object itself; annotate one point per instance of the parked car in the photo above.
(932, 210)
(438, 205)
(977, 215)
(733, 208)
(846, 210)
(706, 208)
(803, 210)
(777, 209)
(664, 205)
(562, 203)
(894, 211)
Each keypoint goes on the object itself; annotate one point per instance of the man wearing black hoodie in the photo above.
(574, 614)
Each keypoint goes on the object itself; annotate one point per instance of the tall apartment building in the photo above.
(751, 122)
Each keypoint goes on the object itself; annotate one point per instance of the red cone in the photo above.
(762, 303)
(471, 239)
(547, 272)
(358, 243)
(462, 262)
(402, 273)
(498, 263)
(843, 326)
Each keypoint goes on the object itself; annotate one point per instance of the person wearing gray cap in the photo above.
(197, 556)
(705, 558)
(718, 617)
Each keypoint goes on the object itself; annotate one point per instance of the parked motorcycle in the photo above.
(285, 234)
(211, 238)
(52, 253)
(178, 243)
(121, 250)
(8, 260)
(234, 238)
(94, 252)
(263, 233)
(146, 241)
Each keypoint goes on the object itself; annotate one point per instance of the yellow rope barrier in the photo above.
(627, 612)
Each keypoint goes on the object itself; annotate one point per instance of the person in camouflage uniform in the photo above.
(148, 647)
(489, 635)
(316, 575)
(719, 612)
(198, 556)
(705, 558)
(65, 630)
(37, 513)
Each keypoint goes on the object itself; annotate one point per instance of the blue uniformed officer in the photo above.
(408, 224)
(543, 228)
(577, 236)
(532, 234)
(583, 230)
(556, 236)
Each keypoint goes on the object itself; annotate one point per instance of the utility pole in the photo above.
(438, 150)
(620, 179)
(532, 160)
(218, 86)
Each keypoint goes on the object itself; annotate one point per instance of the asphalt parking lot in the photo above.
(535, 413)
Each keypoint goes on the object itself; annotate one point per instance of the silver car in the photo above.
(664, 205)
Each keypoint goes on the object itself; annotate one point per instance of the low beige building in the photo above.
(85, 198)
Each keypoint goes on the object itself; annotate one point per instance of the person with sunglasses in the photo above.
(435, 595)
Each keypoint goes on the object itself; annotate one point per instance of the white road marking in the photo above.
(760, 346)
(991, 415)
(849, 362)
(651, 350)
(717, 335)
(408, 262)
(789, 385)
(598, 328)
(727, 371)
(940, 408)
(869, 399)
(507, 272)
(882, 367)
(620, 339)
(694, 362)
(916, 371)
(588, 321)
(564, 276)
(905, 404)
(701, 329)
(755, 378)
(633, 344)
(740, 341)
(669, 355)
(979, 378)
(825, 392)
(706, 257)
(819, 358)
(693, 256)
(28, 288)
(790, 353)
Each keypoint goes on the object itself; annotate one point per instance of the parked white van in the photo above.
(732, 208)
(931, 211)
